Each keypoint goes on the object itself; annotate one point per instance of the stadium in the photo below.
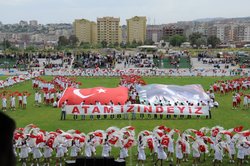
(128, 108)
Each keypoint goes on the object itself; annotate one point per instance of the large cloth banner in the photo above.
(158, 93)
(90, 96)
(136, 108)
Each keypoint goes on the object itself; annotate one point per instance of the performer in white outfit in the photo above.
(59, 153)
(4, 103)
(12, 103)
(218, 154)
(161, 153)
(171, 148)
(123, 153)
(241, 153)
(36, 154)
(47, 153)
(141, 153)
(74, 150)
(24, 152)
(24, 101)
(106, 149)
(179, 153)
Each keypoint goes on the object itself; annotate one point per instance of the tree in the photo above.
(134, 44)
(201, 41)
(85, 45)
(73, 40)
(177, 40)
(6, 44)
(213, 40)
(63, 41)
(116, 44)
(104, 44)
(194, 37)
(139, 43)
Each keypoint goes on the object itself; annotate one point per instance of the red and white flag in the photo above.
(91, 95)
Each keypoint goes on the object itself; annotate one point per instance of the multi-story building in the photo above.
(239, 32)
(85, 31)
(154, 33)
(171, 30)
(108, 30)
(247, 33)
(33, 23)
(136, 29)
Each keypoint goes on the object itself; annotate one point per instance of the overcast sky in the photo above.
(156, 11)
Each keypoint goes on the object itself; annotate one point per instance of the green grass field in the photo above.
(48, 118)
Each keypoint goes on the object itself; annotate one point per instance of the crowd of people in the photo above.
(9, 100)
(12, 80)
(97, 72)
(34, 145)
(239, 89)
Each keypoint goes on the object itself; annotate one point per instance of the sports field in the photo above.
(48, 118)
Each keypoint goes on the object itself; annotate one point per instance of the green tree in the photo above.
(116, 44)
(213, 40)
(139, 43)
(194, 37)
(104, 44)
(63, 41)
(73, 40)
(134, 44)
(201, 41)
(85, 45)
(177, 40)
(6, 44)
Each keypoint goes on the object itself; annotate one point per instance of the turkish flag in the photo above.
(91, 95)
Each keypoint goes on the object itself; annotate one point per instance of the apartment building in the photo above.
(85, 31)
(136, 29)
(109, 30)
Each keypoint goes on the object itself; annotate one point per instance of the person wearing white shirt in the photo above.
(24, 101)
(12, 103)
(36, 98)
(4, 103)
(106, 149)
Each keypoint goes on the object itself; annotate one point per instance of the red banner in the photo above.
(92, 95)
(136, 108)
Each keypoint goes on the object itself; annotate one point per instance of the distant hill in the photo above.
(209, 19)
(237, 19)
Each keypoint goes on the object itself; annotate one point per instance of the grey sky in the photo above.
(158, 11)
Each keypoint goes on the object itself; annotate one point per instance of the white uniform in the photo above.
(60, 151)
(24, 153)
(106, 150)
(161, 153)
(25, 99)
(88, 150)
(40, 98)
(36, 152)
(13, 102)
(178, 151)
(241, 152)
(171, 145)
(4, 102)
(141, 153)
(123, 152)
(218, 152)
(47, 151)
(74, 150)
(195, 150)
